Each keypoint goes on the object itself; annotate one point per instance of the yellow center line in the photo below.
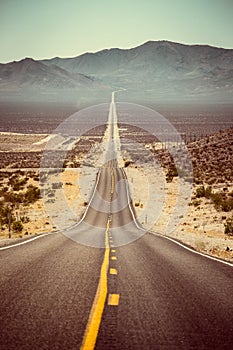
(113, 180)
(97, 309)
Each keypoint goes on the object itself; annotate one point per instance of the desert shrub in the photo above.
(222, 202)
(208, 191)
(200, 192)
(227, 204)
(229, 226)
(13, 198)
(196, 203)
(211, 180)
(16, 186)
(25, 219)
(217, 200)
(172, 172)
(19, 172)
(32, 194)
(17, 226)
(19, 185)
(198, 180)
(127, 163)
(3, 190)
(13, 178)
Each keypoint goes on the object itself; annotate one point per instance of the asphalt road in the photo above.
(47, 288)
(122, 288)
(170, 298)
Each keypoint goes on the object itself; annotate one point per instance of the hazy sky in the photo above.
(48, 28)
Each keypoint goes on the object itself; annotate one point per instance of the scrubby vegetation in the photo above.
(211, 158)
(17, 226)
(229, 226)
(16, 192)
(222, 201)
(171, 173)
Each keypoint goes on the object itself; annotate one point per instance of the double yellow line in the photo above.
(97, 309)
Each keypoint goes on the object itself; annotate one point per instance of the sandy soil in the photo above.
(154, 199)
(202, 228)
(39, 220)
(14, 142)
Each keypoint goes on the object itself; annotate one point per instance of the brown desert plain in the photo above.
(207, 224)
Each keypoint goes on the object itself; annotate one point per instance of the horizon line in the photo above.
(117, 48)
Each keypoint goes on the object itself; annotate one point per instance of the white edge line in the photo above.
(24, 242)
(85, 212)
(66, 229)
(169, 238)
(192, 249)
(172, 239)
(93, 194)
(129, 200)
(95, 188)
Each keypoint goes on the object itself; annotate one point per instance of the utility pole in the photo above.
(9, 224)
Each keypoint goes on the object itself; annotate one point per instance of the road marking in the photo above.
(24, 242)
(192, 250)
(113, 250)
(113, 299)
(113, 271)
(87, 207)
(170, 238)
(113, 180)
(113, 258)
(97, 309)
(129, 201)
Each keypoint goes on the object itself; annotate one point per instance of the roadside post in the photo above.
(9, 224)
(203, 229)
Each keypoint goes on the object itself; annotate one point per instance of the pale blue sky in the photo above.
(48, 28)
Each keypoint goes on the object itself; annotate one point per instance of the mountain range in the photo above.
(156, 70)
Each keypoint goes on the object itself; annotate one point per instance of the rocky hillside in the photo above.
(154, 71)
(29, 79)
(159, 69)
(31, 73)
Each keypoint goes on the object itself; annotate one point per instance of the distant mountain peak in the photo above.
(153, 69)
(26, 60)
